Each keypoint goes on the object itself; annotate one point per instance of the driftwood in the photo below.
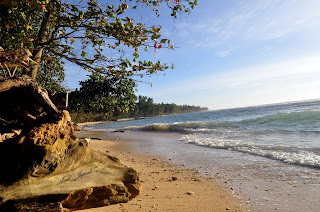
(23, 100)
(49, 169)
(59, 99)
(14, 59)
(29, 86)
(43, 165)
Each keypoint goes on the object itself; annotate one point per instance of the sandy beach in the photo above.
(166, 187)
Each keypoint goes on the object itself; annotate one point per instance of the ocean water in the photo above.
(274, 146)
(288, 132)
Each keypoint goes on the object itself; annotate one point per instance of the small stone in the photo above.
(174, 178)
(228, 209)
(190, 192)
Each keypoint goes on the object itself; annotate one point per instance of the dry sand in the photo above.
(165, 187)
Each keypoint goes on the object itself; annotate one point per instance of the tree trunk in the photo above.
(37, 58)
(42, 37)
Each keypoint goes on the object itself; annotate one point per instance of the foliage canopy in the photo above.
(86, 33)
(110, 96)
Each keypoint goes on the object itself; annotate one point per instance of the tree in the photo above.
(86, 33)
(39, 142)
(111, 96)
(51, 73)
(82, 32)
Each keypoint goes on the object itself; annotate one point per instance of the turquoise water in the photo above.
(287, 132)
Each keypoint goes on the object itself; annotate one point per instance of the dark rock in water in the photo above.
(49, 169)
(119, 131)
(138, 118)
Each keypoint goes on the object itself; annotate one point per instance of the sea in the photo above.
(267, 156)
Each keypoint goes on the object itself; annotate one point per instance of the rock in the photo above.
(190, 192)
(155, 188)
(49, 169)
(174, 178)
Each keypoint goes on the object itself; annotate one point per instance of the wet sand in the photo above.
(166, 187)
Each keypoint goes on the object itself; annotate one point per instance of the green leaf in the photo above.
(83, 54)
(163, 40)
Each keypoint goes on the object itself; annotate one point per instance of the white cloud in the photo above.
(295, 79)
(223, 53)
(253, 20)
(299, 70)
(295, 69)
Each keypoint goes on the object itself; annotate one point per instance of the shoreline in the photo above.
(102, 122)
(165, 186)
(82, 124)
(91, 123)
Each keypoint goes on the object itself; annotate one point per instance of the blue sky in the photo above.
(236, 53)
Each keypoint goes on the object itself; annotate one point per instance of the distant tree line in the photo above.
(145, 107)
(100, 99)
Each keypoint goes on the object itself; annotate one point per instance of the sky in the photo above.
(232, 53)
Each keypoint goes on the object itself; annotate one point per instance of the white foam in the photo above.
(94, 129)
(284, 153)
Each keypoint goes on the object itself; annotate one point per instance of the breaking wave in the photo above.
(299, 156)
(308, 121)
